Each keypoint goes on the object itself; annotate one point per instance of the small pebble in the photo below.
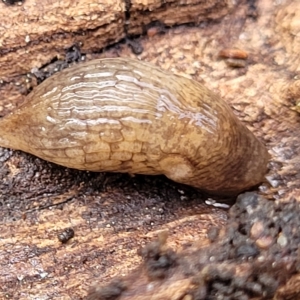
(66, 235)
(282, 240)
(264, 242)
(256, 230)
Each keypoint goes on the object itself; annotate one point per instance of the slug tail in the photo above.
(9, 136)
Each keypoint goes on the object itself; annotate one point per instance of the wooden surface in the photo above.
(36, 32)
(114, 215)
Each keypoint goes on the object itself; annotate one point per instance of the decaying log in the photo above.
(249, 259)
(170, 13)
(114, 215)
(36, 32)
(33, 34)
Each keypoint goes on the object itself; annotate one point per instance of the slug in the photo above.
(124, 115)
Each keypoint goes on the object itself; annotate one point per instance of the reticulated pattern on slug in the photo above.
(124, 115)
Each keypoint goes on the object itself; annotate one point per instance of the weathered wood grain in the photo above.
(34, 33)
(114, 215)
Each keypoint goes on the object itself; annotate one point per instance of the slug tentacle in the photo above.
(123, 115)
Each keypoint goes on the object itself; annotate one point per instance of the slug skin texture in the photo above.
(124, 115)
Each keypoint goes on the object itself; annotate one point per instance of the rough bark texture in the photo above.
(114, 215)
(170, 12)
(36, 32)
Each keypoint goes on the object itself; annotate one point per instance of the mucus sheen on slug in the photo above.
(124, 115)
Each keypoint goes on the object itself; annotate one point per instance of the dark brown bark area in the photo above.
(37, 32)
(114, 215)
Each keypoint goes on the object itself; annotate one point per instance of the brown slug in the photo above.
(124, 115)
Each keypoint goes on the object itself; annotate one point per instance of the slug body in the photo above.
(123, 115)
